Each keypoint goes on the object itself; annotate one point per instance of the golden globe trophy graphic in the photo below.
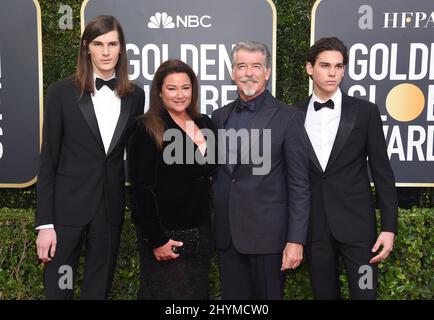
(405, 102)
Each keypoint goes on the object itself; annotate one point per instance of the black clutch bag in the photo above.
(189, 237)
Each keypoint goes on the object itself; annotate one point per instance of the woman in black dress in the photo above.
(170, 157)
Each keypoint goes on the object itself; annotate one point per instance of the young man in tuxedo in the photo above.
(345, 135)
(80, 191)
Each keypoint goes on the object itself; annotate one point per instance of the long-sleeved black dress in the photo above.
(172, 201)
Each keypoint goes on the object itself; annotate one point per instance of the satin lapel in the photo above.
(224, 118)
(121, 124)
(225, 114)
(261, 120)
(313, 157)
(346, 124)
(303, 105)
(86, 106)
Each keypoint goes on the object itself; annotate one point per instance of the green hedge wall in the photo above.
(406, 274)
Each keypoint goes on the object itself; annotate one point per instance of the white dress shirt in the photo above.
(322, 126)
(107, 106)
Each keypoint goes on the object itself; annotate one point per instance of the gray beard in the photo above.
(249, 92)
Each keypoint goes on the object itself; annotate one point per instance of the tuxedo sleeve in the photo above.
(142, 155)
(382, 174)
(52, 136)
(298, 190)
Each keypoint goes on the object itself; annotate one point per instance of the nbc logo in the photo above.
(161, 19)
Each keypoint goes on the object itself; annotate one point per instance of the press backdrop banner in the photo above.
(20, 92)
(199, 32)
(391, 63)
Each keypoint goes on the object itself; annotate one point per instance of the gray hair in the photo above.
(252, 46)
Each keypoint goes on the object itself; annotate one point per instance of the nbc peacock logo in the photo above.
(161, 20)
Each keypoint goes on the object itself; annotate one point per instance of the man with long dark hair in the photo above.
(80, 192)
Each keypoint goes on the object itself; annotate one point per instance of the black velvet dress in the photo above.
(172, 201)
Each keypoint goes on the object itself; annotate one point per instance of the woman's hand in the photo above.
(165, 251)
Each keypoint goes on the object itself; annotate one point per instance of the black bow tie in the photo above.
(328, 104)
(245, 105)
(99, 83)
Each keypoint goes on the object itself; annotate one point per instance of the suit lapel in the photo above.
(86, 106)
(121, 124)
(260, 122)
(346, 124)
(312, 155)
(225, 112)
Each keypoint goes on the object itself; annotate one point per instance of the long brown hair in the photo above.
(84, 76)
(152, 119)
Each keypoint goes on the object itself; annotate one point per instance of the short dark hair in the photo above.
(327, 44)
(84, 77)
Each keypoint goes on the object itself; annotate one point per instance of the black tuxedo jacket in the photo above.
(261, 213)
(76, 175)
(341, 194)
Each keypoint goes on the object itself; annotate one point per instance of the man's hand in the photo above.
(292, 256)
(386, 240)
(46, 244)
(165, 251)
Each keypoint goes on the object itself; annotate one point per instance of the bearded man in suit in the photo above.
(260, 214)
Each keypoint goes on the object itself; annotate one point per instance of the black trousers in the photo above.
(323, 263)
(249, 276)
(100, 240)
